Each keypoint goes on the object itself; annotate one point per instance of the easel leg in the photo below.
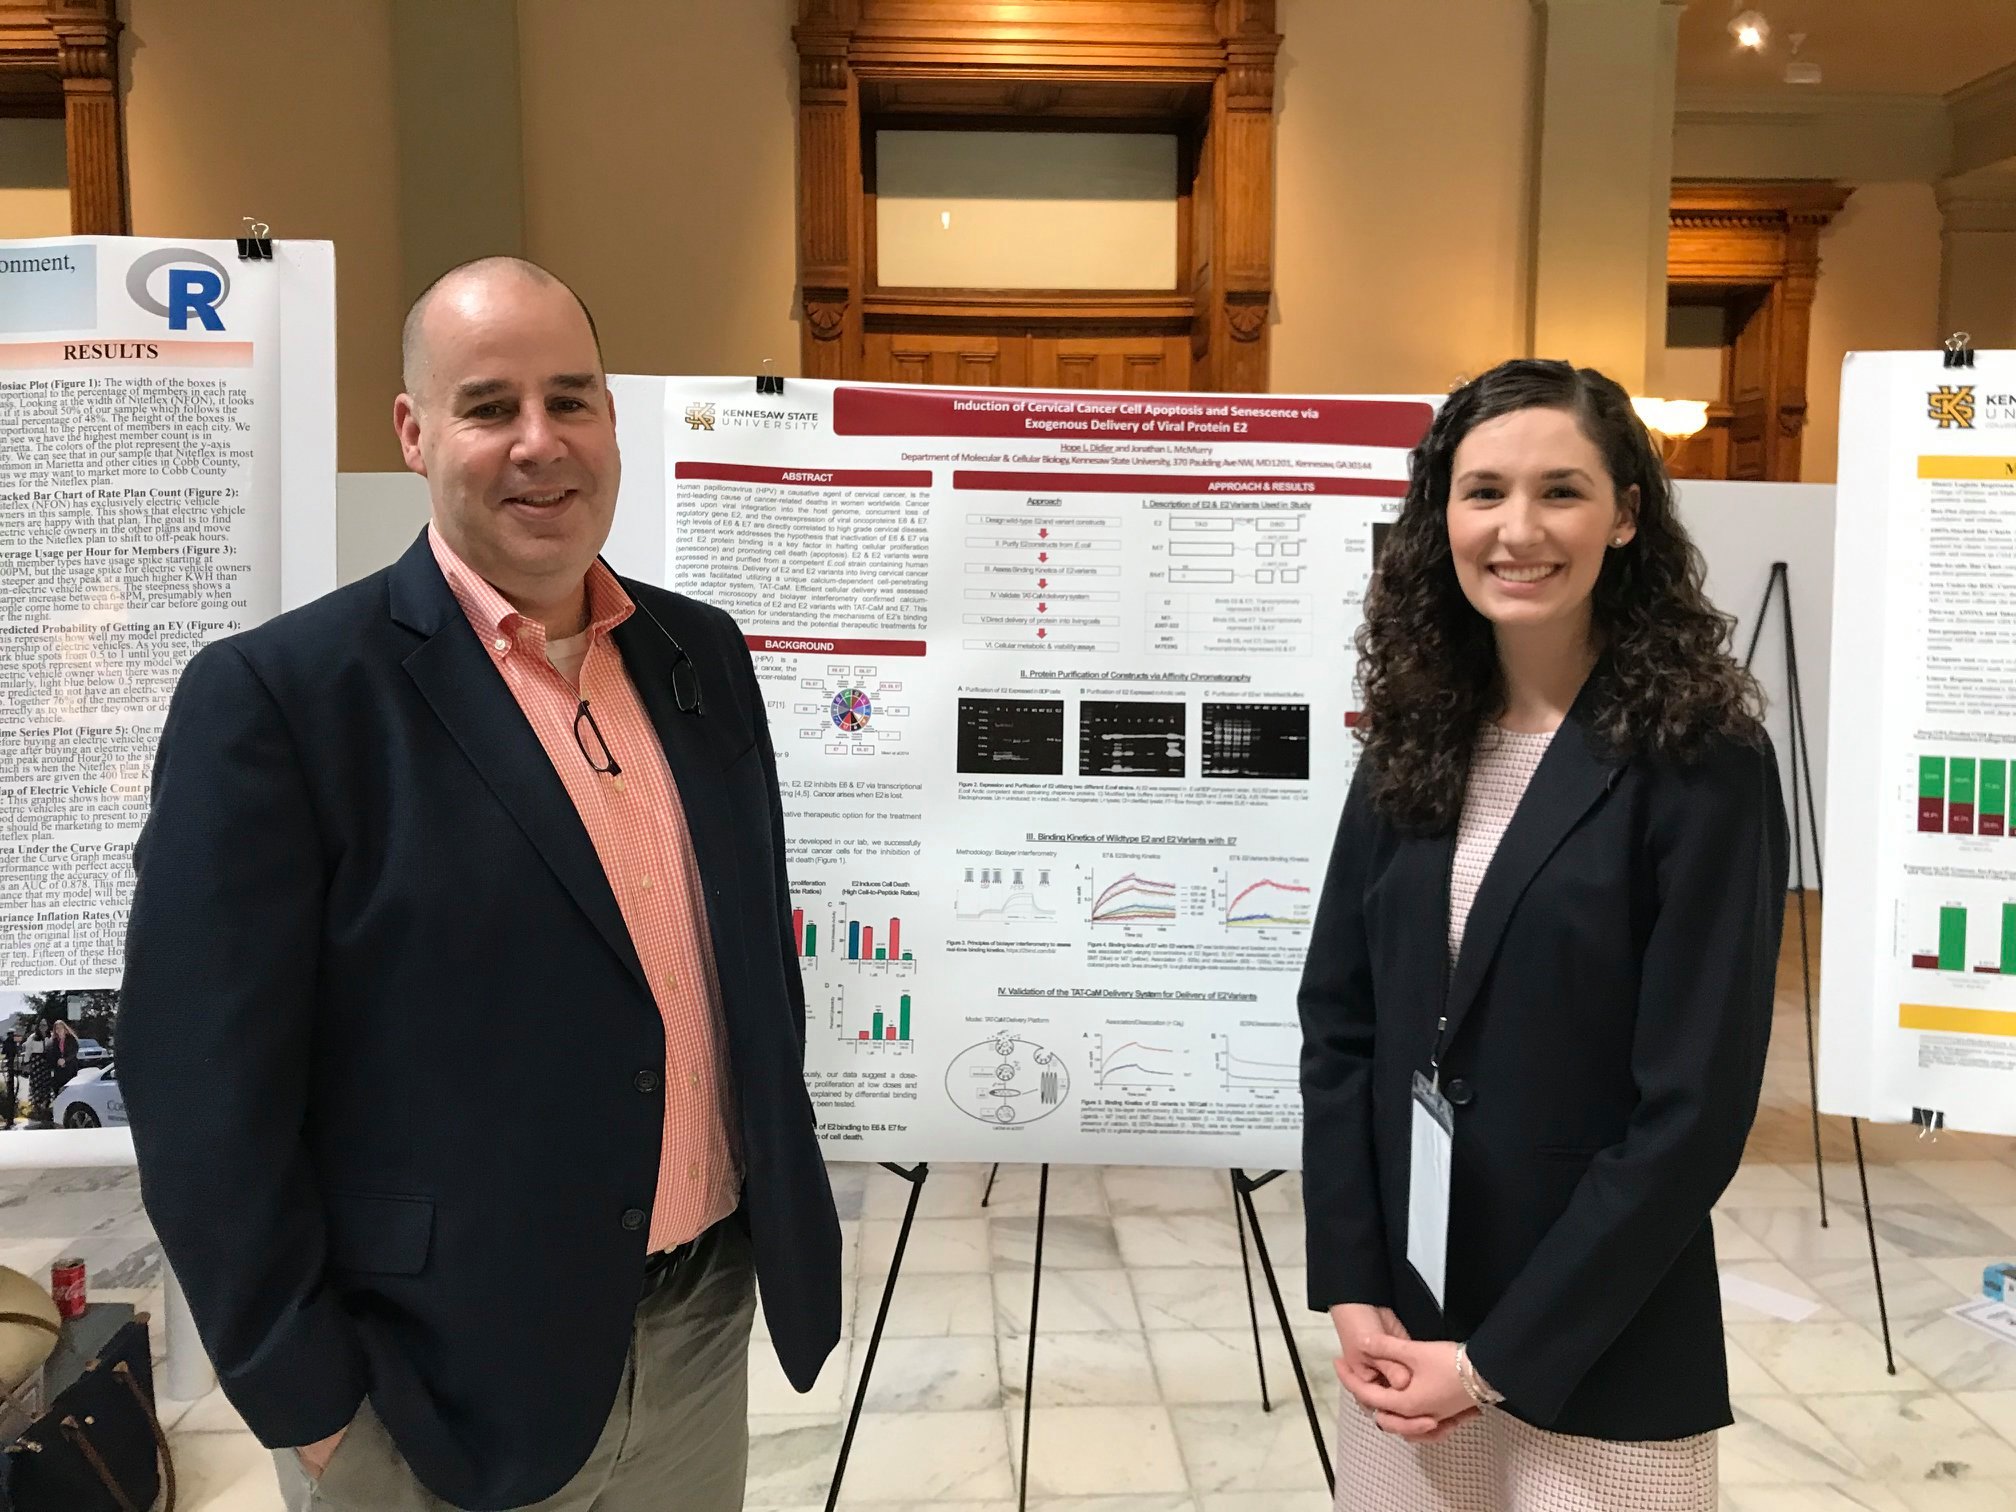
(1035, 1301)
(1803, 816)
(988, 1195)
(1244, 1187)
(1796, 728)
(915, 1175)
(1252, 1307)
(1875, 1265)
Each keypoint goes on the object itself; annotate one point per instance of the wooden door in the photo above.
(1203, 70)
(1753, 247)
(1752, 394)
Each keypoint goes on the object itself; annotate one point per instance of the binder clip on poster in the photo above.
(768, 382)
(256, 245)
(1959, 350)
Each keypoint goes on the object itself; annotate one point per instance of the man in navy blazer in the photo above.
(386, 854)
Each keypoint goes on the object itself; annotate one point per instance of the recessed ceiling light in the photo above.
(1750, 30)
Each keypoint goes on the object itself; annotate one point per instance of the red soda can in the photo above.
(66, 1285)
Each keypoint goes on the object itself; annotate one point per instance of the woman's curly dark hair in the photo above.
(1427, 660)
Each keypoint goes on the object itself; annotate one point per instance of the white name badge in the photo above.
(1434, 1138)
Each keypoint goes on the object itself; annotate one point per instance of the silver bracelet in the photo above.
(1480, 1394)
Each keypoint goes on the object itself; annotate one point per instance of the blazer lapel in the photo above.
(457, 678)
(1571, 777)
(694, 752)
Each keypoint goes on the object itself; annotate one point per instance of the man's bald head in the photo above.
(477, 274)
(508, 416)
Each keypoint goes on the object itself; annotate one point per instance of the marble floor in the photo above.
(1146, 1393)
(1147, 1397)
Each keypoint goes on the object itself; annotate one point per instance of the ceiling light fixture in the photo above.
(1800, 70)
(1675, 419)
(1750, 29)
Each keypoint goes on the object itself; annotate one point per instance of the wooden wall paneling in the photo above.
(1757, 246)
(1246, 199)
(829, 192)
(970, 359)
(1118, 361)
(78, 42)
(1203, 69)
(1203, 266)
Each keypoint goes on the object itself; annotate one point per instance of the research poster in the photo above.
(1918, 981)
(1061, 689)
(168, 479)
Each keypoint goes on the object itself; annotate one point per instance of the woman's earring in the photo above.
(1617, 540)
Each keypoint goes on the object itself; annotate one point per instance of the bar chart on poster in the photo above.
(1964, 795)
(1978, 941)
(1063, 725)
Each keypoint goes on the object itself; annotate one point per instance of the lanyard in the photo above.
(1448, 966)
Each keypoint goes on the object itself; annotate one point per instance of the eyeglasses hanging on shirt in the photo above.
(607, 766)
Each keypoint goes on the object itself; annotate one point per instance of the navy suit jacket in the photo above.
(1608, 1016)
(383, 1028)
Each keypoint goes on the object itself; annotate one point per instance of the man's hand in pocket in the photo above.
(315, 1457)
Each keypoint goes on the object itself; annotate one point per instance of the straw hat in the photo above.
(23, 1346)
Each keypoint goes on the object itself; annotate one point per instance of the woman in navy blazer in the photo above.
(1556, 895)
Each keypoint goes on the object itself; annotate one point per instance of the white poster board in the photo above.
(168, 479)
(1918, 994)
(1742, 531)
(1060, 685)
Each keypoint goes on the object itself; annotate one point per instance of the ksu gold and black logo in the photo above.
(1951, 407)
(700, 416)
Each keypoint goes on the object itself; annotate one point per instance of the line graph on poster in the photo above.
(1263, 1059)
(1136, 1058)
(1263, 895)
(1007, 1080)
(1005, 893)
(1145, 895)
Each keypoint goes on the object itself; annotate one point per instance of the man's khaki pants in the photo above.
(677, 1437)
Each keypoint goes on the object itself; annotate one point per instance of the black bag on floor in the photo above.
(99, 1447)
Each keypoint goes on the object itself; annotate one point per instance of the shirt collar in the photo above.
(491, 614)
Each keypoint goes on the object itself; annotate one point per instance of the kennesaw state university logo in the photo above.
(700, 416)
(1951, 407)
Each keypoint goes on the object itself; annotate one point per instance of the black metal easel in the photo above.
(1246, 1216)
(916, 1175)
(1029, 1371)
(1803, 816)
(1243, 1188)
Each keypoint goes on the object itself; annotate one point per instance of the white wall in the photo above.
(1742, 528)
